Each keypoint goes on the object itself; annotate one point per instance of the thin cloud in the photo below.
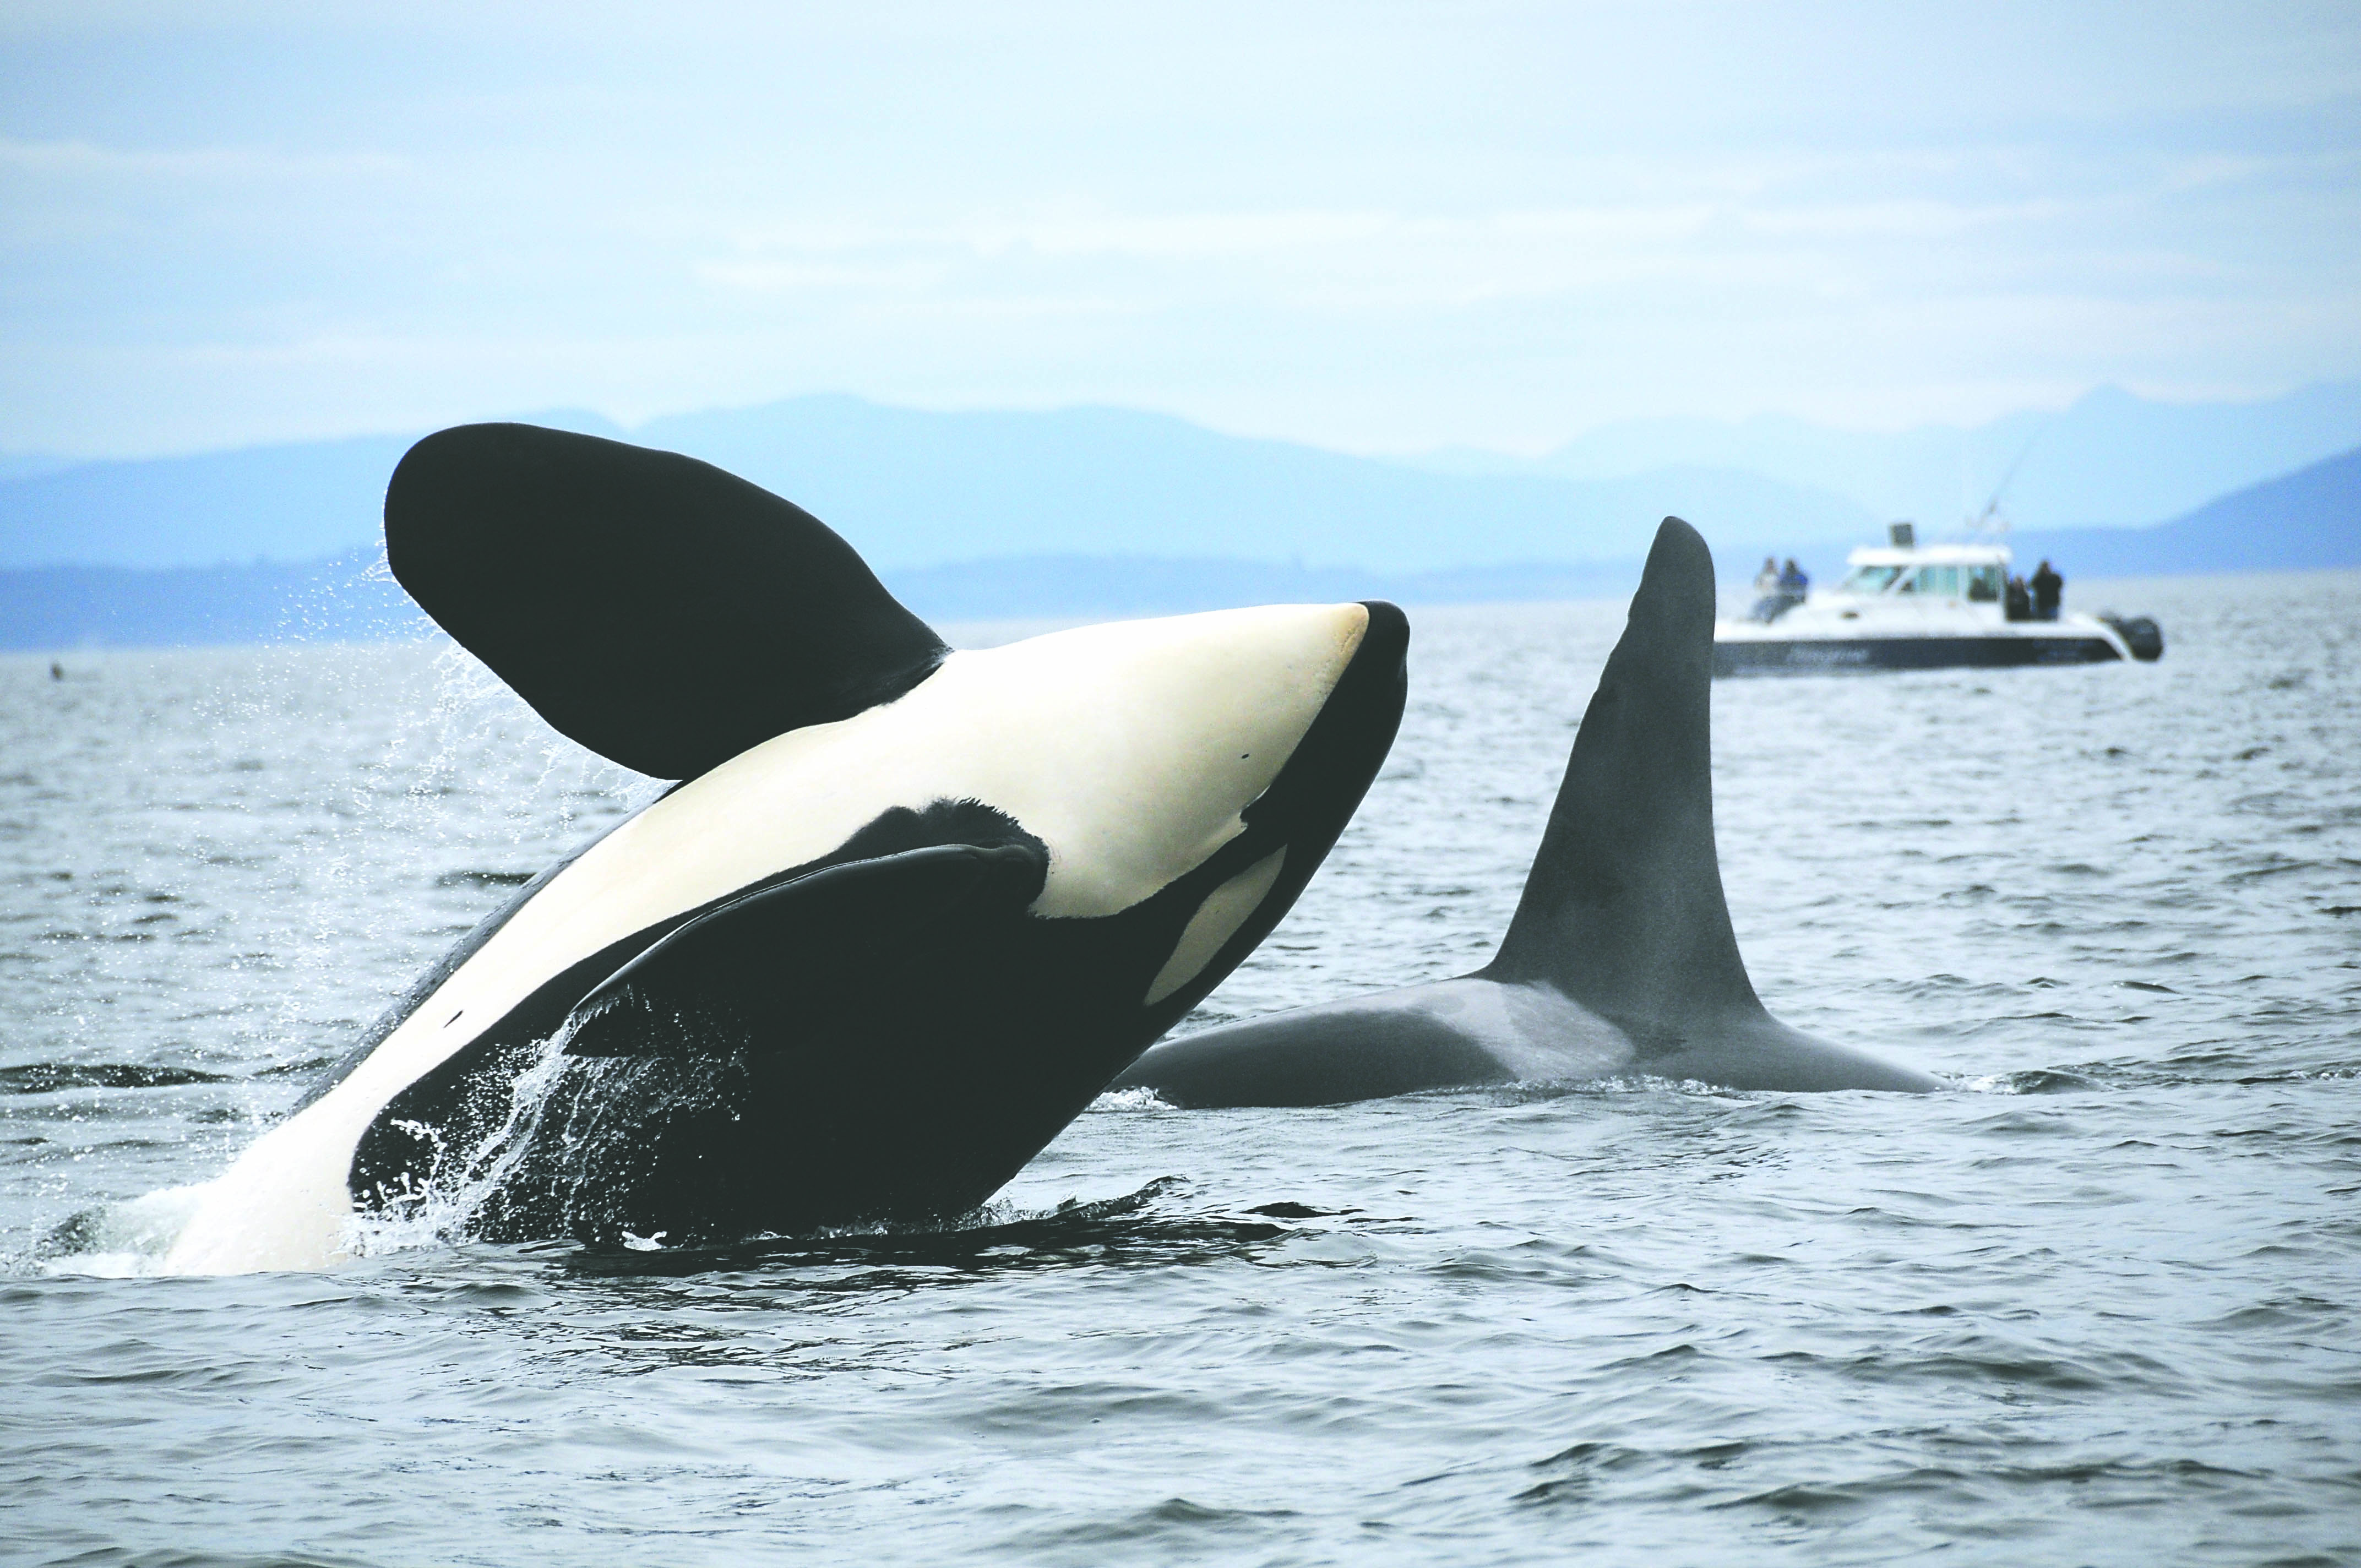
(82, 160)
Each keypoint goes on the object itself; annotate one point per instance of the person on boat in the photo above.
(1792, 580)
(2047, 588)
(1773, 596)
(2020, 602)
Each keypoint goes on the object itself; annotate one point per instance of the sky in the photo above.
(1377, 227)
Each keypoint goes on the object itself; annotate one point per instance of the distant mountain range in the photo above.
(912, 488)
(2111, 460)
(974, 516)
(2300, 521)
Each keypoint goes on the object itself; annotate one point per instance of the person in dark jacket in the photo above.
(2047, 588)
(2020, 603)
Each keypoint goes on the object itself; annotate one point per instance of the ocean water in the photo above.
(2097, 1304)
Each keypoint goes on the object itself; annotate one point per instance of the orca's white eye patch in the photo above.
(1216, 921)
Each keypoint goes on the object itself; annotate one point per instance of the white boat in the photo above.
(1906, 606)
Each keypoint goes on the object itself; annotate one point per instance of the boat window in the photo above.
(1983, 585)
(1869, 579)
(1939, 580)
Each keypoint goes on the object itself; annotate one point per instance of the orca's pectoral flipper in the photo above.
(826, 956)
(1623, 910)
(660, 611)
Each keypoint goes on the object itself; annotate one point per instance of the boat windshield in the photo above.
(1941, 581)
(1869, 579)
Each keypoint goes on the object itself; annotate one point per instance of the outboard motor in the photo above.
(2141, 634)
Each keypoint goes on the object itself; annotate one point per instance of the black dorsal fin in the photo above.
(1624, 909)
(660, 611)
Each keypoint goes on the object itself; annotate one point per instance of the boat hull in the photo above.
(1820, 655)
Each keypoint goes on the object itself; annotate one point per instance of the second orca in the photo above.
(1620, 960)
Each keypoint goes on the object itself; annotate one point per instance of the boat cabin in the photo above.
(1975, 574)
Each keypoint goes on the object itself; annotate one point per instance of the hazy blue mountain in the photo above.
(2112, 458)
(917, 487)
(284, 503)
(27, 465)
(910, 488)
(2300, 521)
(297, 502)
(913, 488)
(347, 599)
(2306, 519)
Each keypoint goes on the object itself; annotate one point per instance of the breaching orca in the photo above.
(907, 913)
(1621, 959)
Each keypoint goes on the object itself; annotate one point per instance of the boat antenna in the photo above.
(1989, 521)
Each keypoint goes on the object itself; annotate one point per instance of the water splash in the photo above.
(444, 1206)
